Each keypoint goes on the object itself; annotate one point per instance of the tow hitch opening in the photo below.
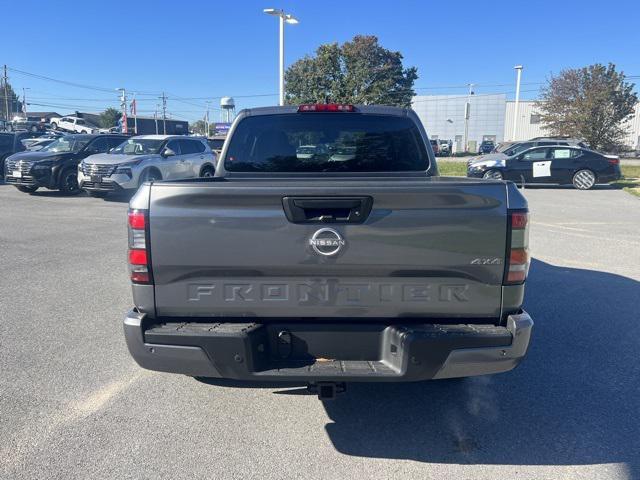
(327, 390)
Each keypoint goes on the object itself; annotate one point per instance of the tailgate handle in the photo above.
(327, 209)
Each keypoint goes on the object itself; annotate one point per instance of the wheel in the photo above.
(93, 193)
(34, 129)
(69, 182)
(150, 175)
(207, 172)
(25, 189)
(54, 126)
(493, 174)
(584, 179)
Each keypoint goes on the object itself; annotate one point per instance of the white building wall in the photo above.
(524, 128)
(443, 116)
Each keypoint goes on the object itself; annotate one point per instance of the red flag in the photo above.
(125, 127)
(133, 107)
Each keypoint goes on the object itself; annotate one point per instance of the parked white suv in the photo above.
(146, 158)
(73, 124)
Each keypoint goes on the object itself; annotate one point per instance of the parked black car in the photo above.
(486, 146)
(10, 143)
(558, 164)
(56, 166)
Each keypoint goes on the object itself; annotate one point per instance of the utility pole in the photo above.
(134, 111)
(467, 114)
(206, 122)
(24, 101)
(515, 107)
(155, 117)
(164, 113)
(6, 94)
(123, 106)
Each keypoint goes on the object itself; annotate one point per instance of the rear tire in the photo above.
(207, 172)
(150, 175)
(25, 189)
(68, 183)
(493, 175)
(584, 179)
(54, 126)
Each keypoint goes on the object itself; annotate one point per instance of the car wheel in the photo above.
(150, 175)
(54, 126)
(97, 194)
(207, 172)
(25, 189)
(69, 182)
(493, 174)
(584, 179)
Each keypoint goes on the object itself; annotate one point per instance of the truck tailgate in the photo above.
(430, 247)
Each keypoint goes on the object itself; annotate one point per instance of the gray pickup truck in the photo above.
(355, 262)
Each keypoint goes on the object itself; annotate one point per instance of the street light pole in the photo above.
(288, 18)
(515, 107)
(24, 101)
(467, 114)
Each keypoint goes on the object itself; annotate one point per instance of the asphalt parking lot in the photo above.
(73, 404)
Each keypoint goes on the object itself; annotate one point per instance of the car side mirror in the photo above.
(167, 152)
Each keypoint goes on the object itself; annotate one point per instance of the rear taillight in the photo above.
(517, 265)
(325, 107)
(613, 161)
(139, 259)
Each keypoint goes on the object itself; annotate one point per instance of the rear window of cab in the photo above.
(326, 142)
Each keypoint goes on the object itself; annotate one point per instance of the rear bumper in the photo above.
(313, 352)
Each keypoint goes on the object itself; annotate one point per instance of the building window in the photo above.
(534, 118)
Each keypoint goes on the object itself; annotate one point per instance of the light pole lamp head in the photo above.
(518, 67)
(290, 19)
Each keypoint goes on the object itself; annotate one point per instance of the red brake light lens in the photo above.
(325, 107)
(614, 161)
(137, 257)
(519, 220)
(137, 219)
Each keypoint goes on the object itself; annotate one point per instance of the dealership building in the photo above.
(490, 118)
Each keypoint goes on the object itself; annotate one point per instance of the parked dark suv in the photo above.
(56, 166)
(10, 143)
(486, 146)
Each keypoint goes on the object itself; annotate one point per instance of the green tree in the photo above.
(359, 72)
(109, 118)
(593, 103)
(14, 104)
(199, 127)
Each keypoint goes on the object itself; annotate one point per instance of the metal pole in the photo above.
(135, 115)
(24, 102)
(155, 117)
(467, 114)
(281, 72)
(164, 114)
(515, 108)
(123, 105)
(6, 94)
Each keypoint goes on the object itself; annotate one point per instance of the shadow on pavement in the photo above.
(120, 197)
(574, 400)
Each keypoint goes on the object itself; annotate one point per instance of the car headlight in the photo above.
(124, 167)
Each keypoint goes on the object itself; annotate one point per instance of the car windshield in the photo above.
(326, 142)
(138, 146)
(514, 150)
(67, 144)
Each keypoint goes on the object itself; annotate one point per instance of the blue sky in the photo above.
(201, 49)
